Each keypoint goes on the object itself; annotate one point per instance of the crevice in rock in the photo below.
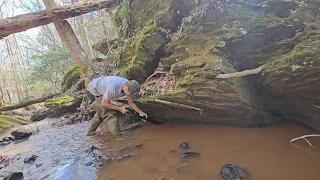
(153, 63)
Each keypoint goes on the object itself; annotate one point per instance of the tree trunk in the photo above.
(27, 103)
(1, 98)
(72, 44)
(27, 21)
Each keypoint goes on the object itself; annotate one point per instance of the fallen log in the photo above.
(27, 21)
(240, 74)
(27, 103)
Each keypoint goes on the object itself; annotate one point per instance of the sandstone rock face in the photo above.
(223, 37)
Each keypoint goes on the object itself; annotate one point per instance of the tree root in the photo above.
(179, 105)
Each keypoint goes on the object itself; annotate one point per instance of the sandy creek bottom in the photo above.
(264, 152)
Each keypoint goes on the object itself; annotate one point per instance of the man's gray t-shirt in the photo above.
(107, 86)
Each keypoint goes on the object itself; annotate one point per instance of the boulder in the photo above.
(141, 55)
(63, 104)
(72, 77)
(8, 121)
(233, 172)
(41, 114)
(14, 176)
(222, 37)
(21, 133)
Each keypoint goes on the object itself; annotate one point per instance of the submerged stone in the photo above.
(21, 133)
(189, 155)
(233, 172)
(184, 145)
(14, 176)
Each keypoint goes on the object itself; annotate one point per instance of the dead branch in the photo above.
(240, 74)
(179, 105)
(157, 72)
(304, 137)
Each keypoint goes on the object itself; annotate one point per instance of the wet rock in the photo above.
(39, 164)
(124, 157)
(184, 145)
(4, 143)
(41, 114)
(8, 139)
(233, 172)
(31, 159)
(21, 133)
(131, 147)
(189, 155)
(14, 176)
(91, 149)
(89, 163)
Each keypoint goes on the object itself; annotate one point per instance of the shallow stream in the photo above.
(264, 152)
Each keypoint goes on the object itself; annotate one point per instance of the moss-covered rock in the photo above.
(72, 77)
(166, 13)
(41, 114)
(62, 104)
(141, 55)
(59, 102)
(282, 36)
(7, 121)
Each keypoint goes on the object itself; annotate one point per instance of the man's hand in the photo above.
(123, 109)
(144, 114)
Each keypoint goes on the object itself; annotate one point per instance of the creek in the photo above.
(264, 152)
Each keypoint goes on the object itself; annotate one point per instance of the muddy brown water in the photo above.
(264, 152)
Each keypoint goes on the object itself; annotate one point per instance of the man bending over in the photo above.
(105, 89)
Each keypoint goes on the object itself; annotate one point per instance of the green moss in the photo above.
(283, 62)
(186, 80)
(60, 101)
(73, 76)
(7, 122)
(179, 93)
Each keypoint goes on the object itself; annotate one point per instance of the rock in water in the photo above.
(189, 154)
(31, 159)
(14, 176)
(21, 133)
(233, 172)
(184, 145)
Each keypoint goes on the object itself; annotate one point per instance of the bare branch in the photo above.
(304, 137)
(240, 74)
(179, 105)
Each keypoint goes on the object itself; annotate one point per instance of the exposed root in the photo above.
(304, 137)
(179, 105)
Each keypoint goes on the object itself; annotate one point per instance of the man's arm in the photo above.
(105, 103)
(135, 107)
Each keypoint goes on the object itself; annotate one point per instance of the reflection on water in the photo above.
(265, 153)
(60, 149)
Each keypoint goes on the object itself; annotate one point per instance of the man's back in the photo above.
(108, 86)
